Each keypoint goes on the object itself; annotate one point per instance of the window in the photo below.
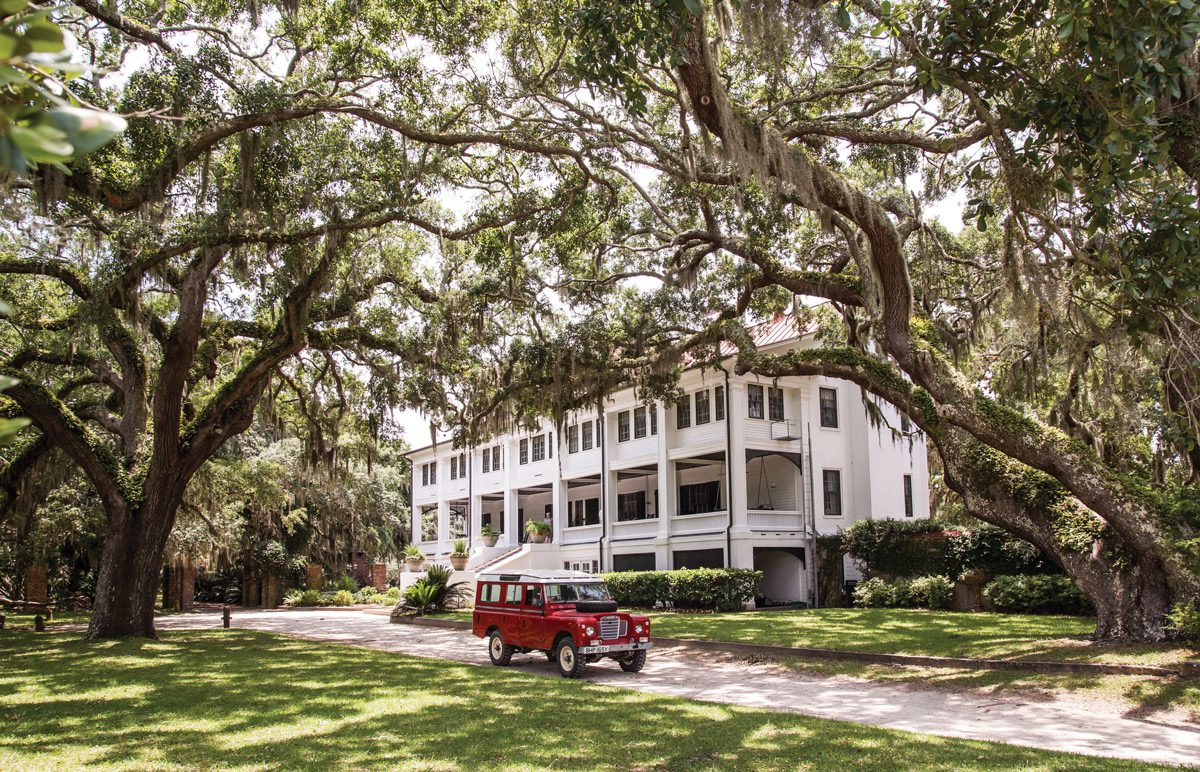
(683, 412)
(754, 400)
(639, 422)
(634, 561)
(712, 558)
(454, 467)
(490, 593)
(703, 407)
(631, 506)
(539, 447)
(905, 423)
(583, 512)
(533, 595)
(623, 426)
(587, 435)
(429, 523)
(487, 460)
(908, 501)
(831, 483)
(653, 420)
(513, 597)
(550, 445)
(719, 403)
(462, 464)
(775, 404)
(573, 438)
(496, 458)
(524, 451)
(829, 413)
(458, 521)
(424, 474)
(433, 473)
(700, 497)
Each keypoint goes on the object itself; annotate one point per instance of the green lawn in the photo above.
(21, 621)
(908, 631)
(249, 700)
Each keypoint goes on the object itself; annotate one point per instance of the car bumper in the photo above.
(615, 648)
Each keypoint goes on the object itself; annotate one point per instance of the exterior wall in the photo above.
(774, 508)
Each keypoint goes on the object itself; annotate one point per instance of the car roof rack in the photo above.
(539, 575)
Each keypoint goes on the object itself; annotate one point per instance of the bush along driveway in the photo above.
(1046, 723)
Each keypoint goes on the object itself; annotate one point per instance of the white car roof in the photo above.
(538, 576)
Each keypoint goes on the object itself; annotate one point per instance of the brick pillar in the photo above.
(251, 590)
(35, 584)
(359, 568)
(187, 587)
(379, 576)
(313, 576)
(270, 590)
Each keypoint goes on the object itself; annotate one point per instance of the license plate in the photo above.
(601, 649)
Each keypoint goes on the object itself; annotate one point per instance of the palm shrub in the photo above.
(432, 593)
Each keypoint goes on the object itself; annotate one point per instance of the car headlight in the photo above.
(637, 629)
(590, 630)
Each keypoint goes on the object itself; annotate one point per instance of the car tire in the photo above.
(634, 663)
(551, 654)
(499, 652)
(566, 656)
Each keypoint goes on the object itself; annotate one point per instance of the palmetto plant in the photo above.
(433, 592)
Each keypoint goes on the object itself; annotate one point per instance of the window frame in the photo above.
(707, 402)
(756, 401)
(683, 412)
(639, 422)
(587, 438)
(909, 509)
(624, 427)
(719, 403)
(775, 403)
(523, 452)
(640, 512)
(822, 393)
(538, 450)
(825, 493)
(573, 438)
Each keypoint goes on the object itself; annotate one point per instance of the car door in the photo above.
(532, 610)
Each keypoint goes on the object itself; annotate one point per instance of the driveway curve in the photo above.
(1053, 724)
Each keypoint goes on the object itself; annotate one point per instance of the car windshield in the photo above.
(569, 593)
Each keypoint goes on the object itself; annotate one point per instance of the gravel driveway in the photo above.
(1055, 724)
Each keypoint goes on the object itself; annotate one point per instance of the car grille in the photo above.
(613, 627)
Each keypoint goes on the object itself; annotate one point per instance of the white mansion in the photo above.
(742, 472)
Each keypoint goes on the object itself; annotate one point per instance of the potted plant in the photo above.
(459, 555)
(413, 557)
(490, 535)
(539, 531)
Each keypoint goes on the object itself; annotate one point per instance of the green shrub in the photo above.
(343, 598)
(433, 592)
(1184, 620)
(935, 592)
(1037, 594)
(640, 589)
(392, 595)
(990, 550)
(899, 547)
(309, 598)
(718, 589)
(293, 597)
(343, 582)
(874, 593)
(368, 595)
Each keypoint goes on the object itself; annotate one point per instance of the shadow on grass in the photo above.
(237, 698)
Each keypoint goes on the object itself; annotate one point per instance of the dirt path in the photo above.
(1054, 724)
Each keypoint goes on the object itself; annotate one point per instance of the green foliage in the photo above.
(343, 598)
(931, 592)
(413, 552)
(433, 592)
(343, 582)
(917, 547)
(721, 589)
(459, 549)
(487, 531)
(369, 596)
(539, 527)
(874, 593)
(1037, 594)
(1184, 620)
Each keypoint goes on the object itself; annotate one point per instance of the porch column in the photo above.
(475, 516)
(666, 486)
(558, 503)
(511, 503)
(737, 454)
(443, 534)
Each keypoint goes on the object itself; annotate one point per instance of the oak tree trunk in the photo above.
(131, 562)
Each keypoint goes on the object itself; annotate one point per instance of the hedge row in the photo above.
(718, 589)
(1037, 594)
(932, 591)
(924, 547)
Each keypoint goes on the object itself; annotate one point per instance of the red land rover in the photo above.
(567, 615)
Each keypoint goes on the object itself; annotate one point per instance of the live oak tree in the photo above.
(281, 188)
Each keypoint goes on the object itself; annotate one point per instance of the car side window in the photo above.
(491, 593)
(513, 598)
(533, 595)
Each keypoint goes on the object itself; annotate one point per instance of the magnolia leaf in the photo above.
(86, 129)
(44, 36)
(41, 143)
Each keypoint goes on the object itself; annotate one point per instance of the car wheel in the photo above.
(550, 655)
(570, 664)
(634, 663)
(499, 652)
